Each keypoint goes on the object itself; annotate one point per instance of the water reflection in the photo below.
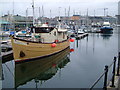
(40, 70)
(88, 56)
(106, 36)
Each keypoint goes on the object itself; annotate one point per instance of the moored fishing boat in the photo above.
(45, 41)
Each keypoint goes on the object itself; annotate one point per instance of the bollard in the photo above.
(113, 76)
(118, 66)
(105, 78)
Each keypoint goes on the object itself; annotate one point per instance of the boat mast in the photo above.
(59, 17)
(50, 14)
(50, 18)
(13, 23)
(33, 13)
(65, 17)
(39, 13)
(8, 20)
(94, 13)
(87, 19)
(69, 11)
(68, 15)
(43, 15)
(26, 18)
(59, 12)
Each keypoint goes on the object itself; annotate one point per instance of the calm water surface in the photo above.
(78, 69)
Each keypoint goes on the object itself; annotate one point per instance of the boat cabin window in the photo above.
(41, 29)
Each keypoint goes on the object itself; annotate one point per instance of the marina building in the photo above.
(7, 22)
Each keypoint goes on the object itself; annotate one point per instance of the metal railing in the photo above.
(105, 73)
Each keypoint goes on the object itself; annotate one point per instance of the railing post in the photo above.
(118, 66)
(113, 76)
(105, 78)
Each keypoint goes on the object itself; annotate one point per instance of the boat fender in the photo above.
(56, 41)
(71, 50)
(72, 40)
(53, 45)
(22, 54)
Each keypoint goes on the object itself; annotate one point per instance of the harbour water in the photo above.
(77, 69)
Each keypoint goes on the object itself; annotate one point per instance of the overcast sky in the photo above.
(95, 7)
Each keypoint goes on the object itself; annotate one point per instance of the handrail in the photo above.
(106, 71)
(110, 65)
(97, 80)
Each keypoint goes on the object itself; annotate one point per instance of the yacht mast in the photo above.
(13, 23)
(59, 12)
(43, 14)
(26, 18)
(59, 17)
(69, 11)
(50, 14)
(39, 12)
(68, 16)
(65, 17)
(87, 18)
(33, 13)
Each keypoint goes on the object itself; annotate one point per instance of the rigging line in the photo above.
(9, 70)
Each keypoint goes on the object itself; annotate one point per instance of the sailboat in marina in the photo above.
(45, 41)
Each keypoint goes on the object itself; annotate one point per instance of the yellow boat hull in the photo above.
(40, 68)
(27, 50)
